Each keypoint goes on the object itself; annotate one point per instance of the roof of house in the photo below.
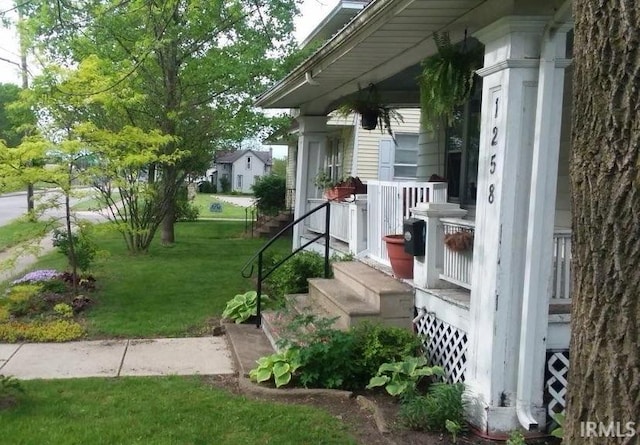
(229, 157)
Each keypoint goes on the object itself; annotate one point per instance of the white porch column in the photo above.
(358, 224)
(427, 269)
(542, 207)
(510, 72)
(312, 144)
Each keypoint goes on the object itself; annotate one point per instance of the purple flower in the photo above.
(38, 276)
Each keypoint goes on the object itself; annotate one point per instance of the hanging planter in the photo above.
(373, 113)
(447, 78)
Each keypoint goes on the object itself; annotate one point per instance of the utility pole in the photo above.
(25, 85)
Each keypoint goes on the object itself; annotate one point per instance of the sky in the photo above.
(312, 12)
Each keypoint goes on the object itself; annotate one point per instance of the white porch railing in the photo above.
(339, 226)
(561, 264)
(315, 222)
(389, 203)
(457, 266)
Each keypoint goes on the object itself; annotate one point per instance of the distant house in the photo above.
(242, 168)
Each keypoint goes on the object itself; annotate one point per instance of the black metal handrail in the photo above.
(251, 215)
(262, 275)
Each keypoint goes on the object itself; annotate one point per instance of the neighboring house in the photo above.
(497, 316)
(242, 168)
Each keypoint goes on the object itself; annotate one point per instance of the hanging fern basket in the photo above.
(369, 119)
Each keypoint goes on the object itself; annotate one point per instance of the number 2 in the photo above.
(494, 139)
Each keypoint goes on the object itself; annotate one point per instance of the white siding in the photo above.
(248, 176)
(369, 141)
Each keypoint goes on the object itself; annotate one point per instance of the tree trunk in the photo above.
(604, 379)
(169, 187)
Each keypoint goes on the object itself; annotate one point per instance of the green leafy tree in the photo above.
(195, 67)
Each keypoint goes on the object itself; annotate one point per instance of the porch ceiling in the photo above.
(385, 39)
(384, 45)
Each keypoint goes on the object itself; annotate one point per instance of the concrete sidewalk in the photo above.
(115, 358)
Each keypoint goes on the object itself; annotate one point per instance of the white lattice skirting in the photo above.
(446, 345)
(555, 387)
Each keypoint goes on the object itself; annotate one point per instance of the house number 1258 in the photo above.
(492, 159)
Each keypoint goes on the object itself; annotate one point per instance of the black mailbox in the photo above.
(415, 232)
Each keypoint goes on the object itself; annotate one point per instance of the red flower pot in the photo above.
(401, 261)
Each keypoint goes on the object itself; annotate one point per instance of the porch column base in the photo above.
(427, 269)
(358, 225)
(491, 420)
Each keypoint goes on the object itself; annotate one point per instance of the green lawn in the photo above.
(20, 230)
(167, 410)
(229, 211)
(170, 291)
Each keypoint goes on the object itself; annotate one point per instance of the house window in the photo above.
(334, 159)
(239, 182)
(405, 163)
(462, 146)
(249, 163)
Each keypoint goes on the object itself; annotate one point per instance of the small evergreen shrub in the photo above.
(10, 389)
(270, 191)
(291, 277)
(207, 187)
(225, 184)
(185, 209)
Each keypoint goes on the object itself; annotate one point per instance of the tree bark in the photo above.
(604, 379)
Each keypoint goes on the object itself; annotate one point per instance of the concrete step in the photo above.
(393, 298)
(337, 300)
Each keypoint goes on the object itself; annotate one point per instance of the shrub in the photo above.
(64, 310)
(25, 299)
(207, 187)
(328, 361)
(225, 184)
(41, 331)
(377, 344)
(4, 314)
(84, 249)
(430, 412)
(270, 191)
(56, 286)
(185, 209)
(291, 277)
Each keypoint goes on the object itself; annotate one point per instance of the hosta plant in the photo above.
(243, 306)
(401, 378)
(279, 366)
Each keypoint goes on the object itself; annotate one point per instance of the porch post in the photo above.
(427, 269)
(311, 151)
(510, 72)
(542, 206)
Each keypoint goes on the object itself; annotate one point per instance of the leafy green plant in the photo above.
(84, 249)
(25, 299)
(439, 410)
(401, 378)
(64, 310)
(270, 191)
(559, 419)
(279, 367)
(327, 361)
(454, 428)
(516, 438)
(225, 184)
(447, 77)
(377, 344)
(40, 331)
(243, 306)
(292, 276)
(186, 210)
(373, 112)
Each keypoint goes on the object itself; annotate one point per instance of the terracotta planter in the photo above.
(339, 193)
(401, 262)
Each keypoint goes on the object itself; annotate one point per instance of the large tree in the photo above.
(196, 63)
(604, 380)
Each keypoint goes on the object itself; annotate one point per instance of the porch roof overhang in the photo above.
(384, 45)
(385, 38)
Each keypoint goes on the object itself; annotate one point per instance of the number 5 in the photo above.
(492, 162)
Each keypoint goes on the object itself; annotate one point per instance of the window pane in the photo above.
(405, 171)
(406, 156)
